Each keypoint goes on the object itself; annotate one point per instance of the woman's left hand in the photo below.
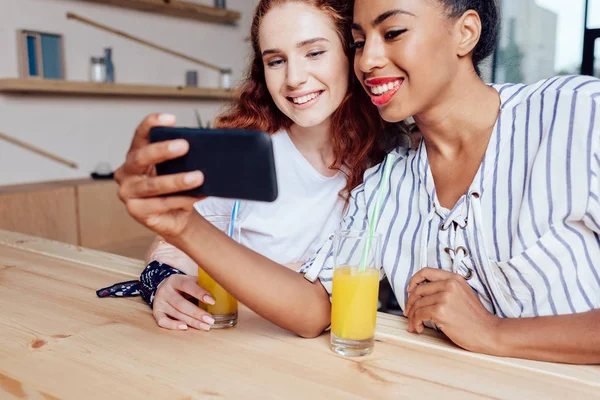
(446, 299)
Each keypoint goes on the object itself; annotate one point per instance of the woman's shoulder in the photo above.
(402, 157)
(559, 86)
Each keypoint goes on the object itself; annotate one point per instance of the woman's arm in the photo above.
(148, 257)
(571, 338)
(278, 294)
(446, 299)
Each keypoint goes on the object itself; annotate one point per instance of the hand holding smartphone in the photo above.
(237, 164)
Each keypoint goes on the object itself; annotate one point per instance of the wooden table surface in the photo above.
(59, 341)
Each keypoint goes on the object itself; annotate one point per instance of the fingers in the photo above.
(141, 153)
(141, 159)
(187, 284)
(172, 311)
(424, 289)
(429, 274)
(414, 323)
(425, 313)
(163, 320)
(202, 325)
(179, 303)
(142, 132)
(161, 185)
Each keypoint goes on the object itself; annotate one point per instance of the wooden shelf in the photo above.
(75, 88)
(177, 8)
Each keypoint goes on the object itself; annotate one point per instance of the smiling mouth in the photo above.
(380, 90)
(306, 98)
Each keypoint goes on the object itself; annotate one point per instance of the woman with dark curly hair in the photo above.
(325, 134)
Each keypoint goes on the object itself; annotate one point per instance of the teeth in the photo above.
(381, 89)
(305, 99)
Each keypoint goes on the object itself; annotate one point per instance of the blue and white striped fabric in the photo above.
(526, 231)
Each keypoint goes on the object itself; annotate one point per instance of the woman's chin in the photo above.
(396, 111)
(393, 115)
(310, 122)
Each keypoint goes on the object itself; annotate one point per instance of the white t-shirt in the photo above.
(293, 227)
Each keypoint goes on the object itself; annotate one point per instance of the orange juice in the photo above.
(354, 298)
(225, 304)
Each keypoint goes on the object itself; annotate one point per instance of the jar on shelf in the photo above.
(226, 80)
(97, 69)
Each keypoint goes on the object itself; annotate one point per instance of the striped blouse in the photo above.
(525, 233)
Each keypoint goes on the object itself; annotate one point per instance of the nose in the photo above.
(372, 56)
(296, 74)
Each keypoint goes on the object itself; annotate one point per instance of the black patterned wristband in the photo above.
(152, 276)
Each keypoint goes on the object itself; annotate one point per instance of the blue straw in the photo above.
(234, 213)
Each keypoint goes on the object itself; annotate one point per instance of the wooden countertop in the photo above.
(59, 341)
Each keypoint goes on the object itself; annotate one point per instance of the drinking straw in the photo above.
(234, 213)
(389, 161)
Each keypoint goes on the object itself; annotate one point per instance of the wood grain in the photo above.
(80, 211)
(177, 8)
(103, 217)
(57, 339)
(50, 213)
(80, 88)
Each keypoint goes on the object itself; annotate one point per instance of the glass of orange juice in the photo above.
(357, 262)
(225, 309)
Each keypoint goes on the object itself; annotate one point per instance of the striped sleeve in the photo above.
(320, 266)
(592, 216)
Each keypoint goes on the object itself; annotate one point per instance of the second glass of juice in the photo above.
(357, 262)
(225, 309)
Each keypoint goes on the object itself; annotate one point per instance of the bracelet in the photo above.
(152, 276)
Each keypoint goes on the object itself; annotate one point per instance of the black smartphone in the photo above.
(236, 163)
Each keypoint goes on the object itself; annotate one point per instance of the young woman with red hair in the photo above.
(325, 133)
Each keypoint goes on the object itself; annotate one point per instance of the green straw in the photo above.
(389, 161)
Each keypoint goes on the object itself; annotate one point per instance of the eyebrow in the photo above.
(379, 20)
(299, 45)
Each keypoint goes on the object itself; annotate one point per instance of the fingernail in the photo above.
(205, 327)
(208, 320)
(208, 300)
(183, 327)
(166, 118)
(192, 177)
(177, 146)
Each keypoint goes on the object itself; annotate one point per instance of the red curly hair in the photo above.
(360, 137)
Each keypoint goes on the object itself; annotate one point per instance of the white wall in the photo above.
(92, 129)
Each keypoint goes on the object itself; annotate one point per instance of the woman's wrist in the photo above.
(496, 337)
(152, 277)
(189, 236)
